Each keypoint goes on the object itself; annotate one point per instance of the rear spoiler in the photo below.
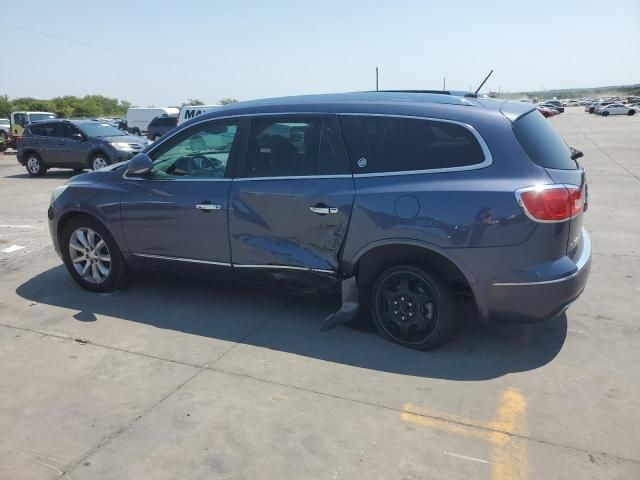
(512, 110)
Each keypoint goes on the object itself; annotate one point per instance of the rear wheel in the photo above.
(92, 256)
(412, 307)
(35, 166)
(99, 161)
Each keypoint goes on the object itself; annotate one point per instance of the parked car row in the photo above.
(343, 191)
(606, 108)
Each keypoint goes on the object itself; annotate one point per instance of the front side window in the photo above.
(67, 130)
(283, 147)
(379, 144)
(201, 152)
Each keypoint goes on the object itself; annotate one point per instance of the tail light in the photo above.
(551, 203)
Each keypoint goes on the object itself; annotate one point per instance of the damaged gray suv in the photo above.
(404, 201)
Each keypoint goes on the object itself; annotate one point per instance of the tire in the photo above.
(156, 137)
(631, 112)
(412, 307)
(605, 114)
(34, 165)
(98, 161)
(102, 275)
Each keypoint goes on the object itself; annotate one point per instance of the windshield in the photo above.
(96, 129)
(36, 117)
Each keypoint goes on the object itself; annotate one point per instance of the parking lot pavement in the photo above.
(182, 378)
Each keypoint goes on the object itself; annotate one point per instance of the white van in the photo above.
(138, 118)
(187, 112)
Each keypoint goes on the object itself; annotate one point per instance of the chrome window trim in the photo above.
(181, 259)
(174, 179)
(294, 177)
(582, 262)
(488, 158)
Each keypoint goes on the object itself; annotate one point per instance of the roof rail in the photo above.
(457, 93)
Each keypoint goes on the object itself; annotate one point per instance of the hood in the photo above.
(94, 176)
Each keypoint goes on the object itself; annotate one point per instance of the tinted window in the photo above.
(544, 146)
(282, 147)
(68, 129)
(46, 129)
(202, 151)
(396, 144)
(96, 129)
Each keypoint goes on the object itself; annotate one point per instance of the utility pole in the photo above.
(376, 79)
(444, 83)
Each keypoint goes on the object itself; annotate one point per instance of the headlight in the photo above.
(122, 146)
(57, 192)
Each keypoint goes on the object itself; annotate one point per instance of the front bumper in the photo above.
(53, 217)
(542, 299)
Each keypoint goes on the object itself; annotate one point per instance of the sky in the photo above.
(164, 53)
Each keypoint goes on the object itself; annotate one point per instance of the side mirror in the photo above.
(77, 137)
(140, 164)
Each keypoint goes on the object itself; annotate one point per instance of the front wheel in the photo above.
(35, 166)
(412, 307)
(92, 256)
(99, 161)
(156, 137)
(631, 112)
(605, 114)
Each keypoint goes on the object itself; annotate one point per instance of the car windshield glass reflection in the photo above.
(100, 130)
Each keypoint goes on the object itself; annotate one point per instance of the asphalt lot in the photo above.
(186, 379)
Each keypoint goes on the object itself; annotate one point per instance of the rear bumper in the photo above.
(543, 298)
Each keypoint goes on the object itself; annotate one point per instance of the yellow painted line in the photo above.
(509, 459)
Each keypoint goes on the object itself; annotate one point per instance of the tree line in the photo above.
(89, 106)
(67, 107)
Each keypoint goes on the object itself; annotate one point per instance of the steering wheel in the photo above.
(206, 162)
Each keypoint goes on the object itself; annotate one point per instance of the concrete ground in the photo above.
(188, 379)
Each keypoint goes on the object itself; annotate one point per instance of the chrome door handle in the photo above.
(324, 210)
(207, 207)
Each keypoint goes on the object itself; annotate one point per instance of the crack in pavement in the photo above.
(199, 369)
(205, 367)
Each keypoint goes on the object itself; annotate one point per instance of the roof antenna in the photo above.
(483, 82)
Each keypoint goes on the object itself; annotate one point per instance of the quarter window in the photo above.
(396, 144)
(202, 151)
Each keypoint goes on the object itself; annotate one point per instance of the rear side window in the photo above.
(397, 144)
(46, 129)
(544, 146)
